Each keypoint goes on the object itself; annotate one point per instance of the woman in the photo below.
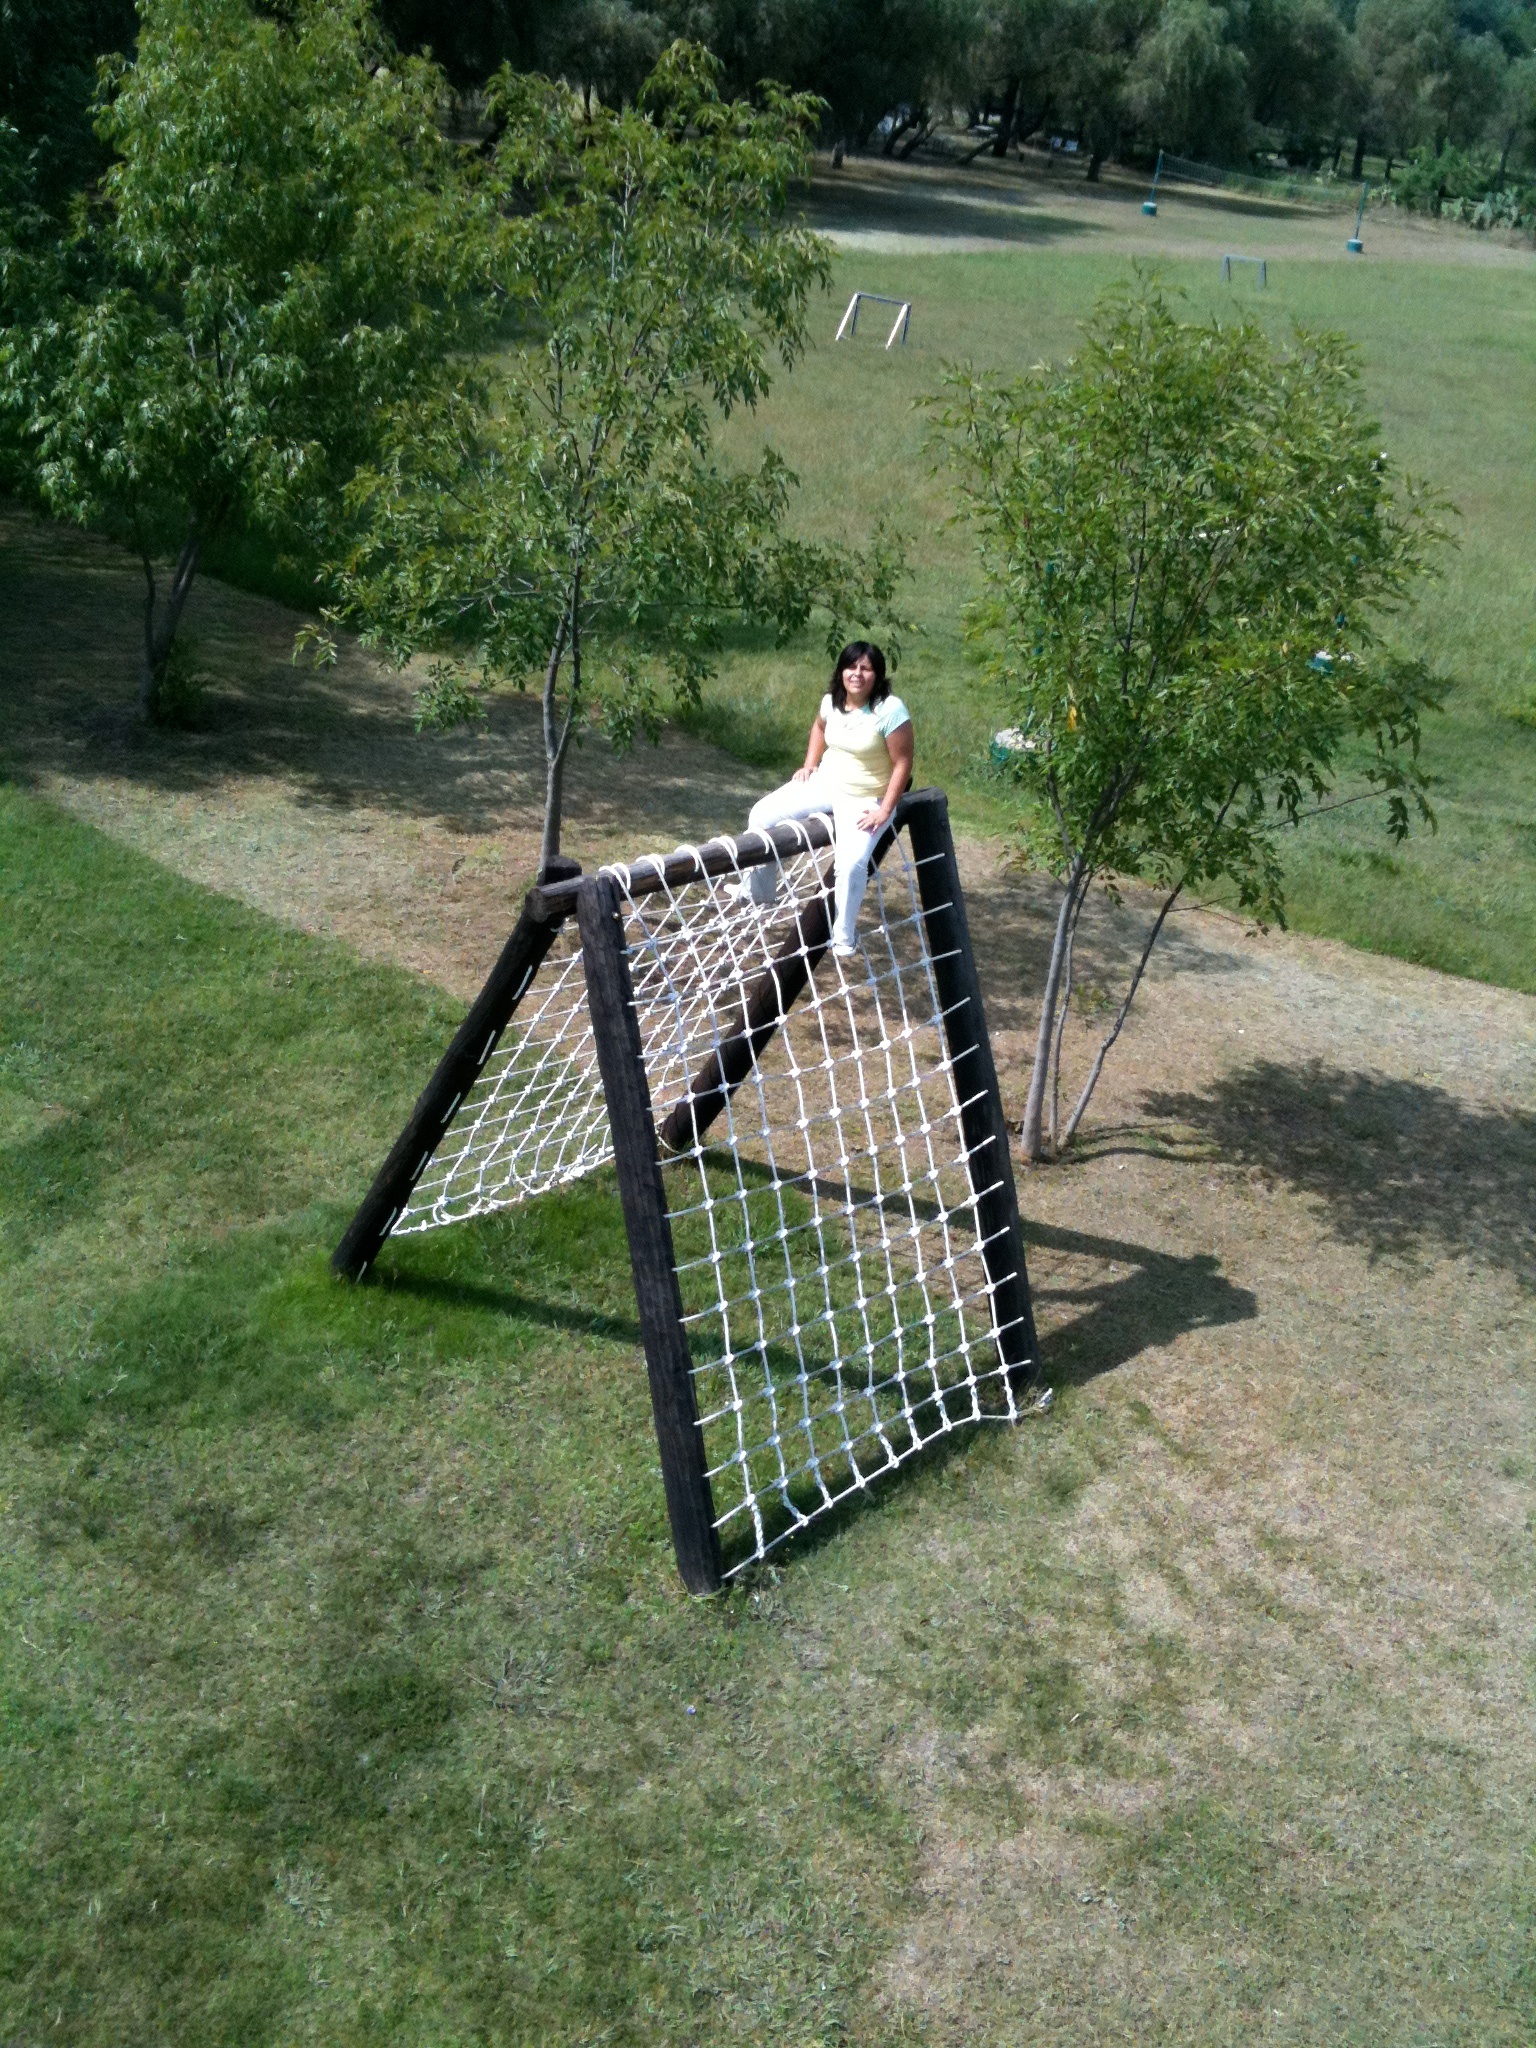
(857, 763)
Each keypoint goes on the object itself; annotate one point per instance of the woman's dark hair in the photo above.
(850, 654)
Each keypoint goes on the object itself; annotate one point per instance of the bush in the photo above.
(1461, 185)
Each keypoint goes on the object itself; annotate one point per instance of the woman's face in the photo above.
(859, 680)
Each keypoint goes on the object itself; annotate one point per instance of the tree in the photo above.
(1190, 540)
(566, 499)
(1096, 56)
(268, 248)
(1517, 112)
(1302, 69)
(1188, 84)
(48, 57)
(1409, 50)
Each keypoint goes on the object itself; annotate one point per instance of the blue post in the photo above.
(1354, 245)
(1149, 204)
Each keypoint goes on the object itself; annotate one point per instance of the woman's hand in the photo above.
(815, 747)
(899, 746)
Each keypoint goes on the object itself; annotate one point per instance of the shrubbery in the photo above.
(1462, 185)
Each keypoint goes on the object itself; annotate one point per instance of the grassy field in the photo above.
(347, 1693)
(1448, 348)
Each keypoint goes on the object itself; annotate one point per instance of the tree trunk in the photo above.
(557, 738)
(1024, 129)
(972, 154)
(1358, 168)
(908, 149)
(1007, 118)
(1124, 1011)
(1509, 143)
(1034, 1107)
(1063, 1009)
(160, 626)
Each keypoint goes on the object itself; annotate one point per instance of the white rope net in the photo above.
(828, 1245)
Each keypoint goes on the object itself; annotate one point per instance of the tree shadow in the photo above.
(994, 211)
(336, 740)
(1404, 1169)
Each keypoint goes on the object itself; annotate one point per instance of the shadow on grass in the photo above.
(1160, 1299)
(336, 740)
(1400, 1168)
(1013, 919)
(576, 1319)
(995, 211)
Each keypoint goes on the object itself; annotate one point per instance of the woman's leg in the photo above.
(794, 800)
(852, 867)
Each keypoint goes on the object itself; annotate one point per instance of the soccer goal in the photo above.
(1257, 264)
(811, 1157)
(849, 324)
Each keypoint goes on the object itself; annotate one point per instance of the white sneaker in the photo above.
(842, 952)
(741, 892)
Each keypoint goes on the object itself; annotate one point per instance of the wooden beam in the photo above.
(718, 857)
(457, 1072)
(982, 1121)
(766, 1002)
(668, 1363)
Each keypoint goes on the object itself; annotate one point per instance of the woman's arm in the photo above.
(815, 747)
(901, 746)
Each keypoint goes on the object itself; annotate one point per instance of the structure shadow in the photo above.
(1162, 1298)
(1404, 1169)
(1103, 1325)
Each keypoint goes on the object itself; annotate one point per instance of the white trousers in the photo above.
(850, 851)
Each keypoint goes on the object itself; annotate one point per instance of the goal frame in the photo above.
(639, 1147)
(849, 324)
(1258, 264)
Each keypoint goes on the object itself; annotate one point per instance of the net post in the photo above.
(982, 1120)
(669, 1368)
(457, 1071)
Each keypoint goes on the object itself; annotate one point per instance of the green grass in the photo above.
(1447, 352)
(347, 1693)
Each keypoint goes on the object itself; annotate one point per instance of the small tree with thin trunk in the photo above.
(1189, 539)
(562, 513)
(263, 274)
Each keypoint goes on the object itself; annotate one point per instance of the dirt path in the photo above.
(1294, 1258)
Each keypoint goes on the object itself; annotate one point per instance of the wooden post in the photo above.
(981, 1117)
(457, 1071)
(766, 1003)
(669, 1367)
